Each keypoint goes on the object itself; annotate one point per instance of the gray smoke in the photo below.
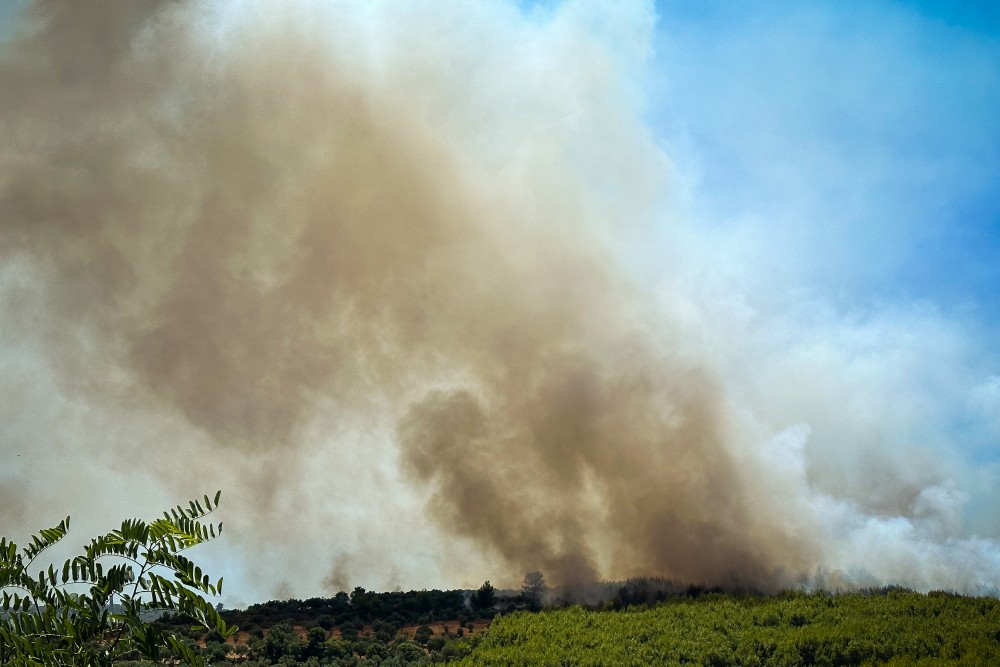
(361, 267)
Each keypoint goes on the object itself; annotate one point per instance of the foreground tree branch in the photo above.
(47, 620)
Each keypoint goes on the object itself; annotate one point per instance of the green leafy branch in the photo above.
(45, 620)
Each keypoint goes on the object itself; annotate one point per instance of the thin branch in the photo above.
(135, 589)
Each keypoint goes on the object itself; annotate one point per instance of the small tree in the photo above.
(282, 641)
(315, 644)
(86, 614)
(533, 588)
(484, 598)
(422, 634)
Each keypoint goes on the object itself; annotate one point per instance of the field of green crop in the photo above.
(896, 627)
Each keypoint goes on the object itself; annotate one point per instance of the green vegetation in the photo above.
(95, 611)
(92, 610)
(361, 607)
(485, 598)
(363, 628)
(892, 626)
(691, 625)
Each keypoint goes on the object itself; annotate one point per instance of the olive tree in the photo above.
(92, 610)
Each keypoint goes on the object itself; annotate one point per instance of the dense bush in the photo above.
(895, 626)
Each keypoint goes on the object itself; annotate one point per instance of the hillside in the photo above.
(888, 627)
(884, 626)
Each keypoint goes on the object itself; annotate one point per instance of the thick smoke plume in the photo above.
(309, 253)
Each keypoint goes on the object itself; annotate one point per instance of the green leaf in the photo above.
(49, 626)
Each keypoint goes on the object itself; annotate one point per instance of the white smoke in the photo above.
(415, 285)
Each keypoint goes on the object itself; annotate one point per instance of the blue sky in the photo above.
(847, 158)
(864, 136)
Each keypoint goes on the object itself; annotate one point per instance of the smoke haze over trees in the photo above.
(384, 268)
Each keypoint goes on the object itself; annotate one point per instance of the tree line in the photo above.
(349, 612)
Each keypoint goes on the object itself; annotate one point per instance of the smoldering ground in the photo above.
(360, 267)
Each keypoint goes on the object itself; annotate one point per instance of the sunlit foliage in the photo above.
(93, 610)
(890, 626)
